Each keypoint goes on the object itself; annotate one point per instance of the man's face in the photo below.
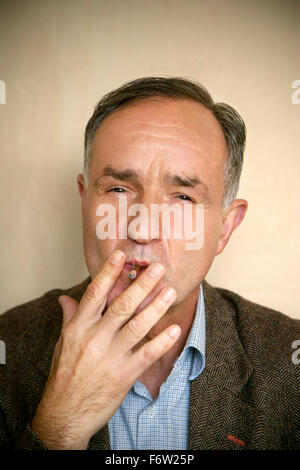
(146, 153)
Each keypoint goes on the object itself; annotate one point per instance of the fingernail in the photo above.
(116, 257)
(174, 331)
(169, 294)
(155, 270)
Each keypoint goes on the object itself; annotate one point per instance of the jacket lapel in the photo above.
(220, 418)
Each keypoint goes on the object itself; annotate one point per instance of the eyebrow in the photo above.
(191, 182)
(173, 180)
(123, 175)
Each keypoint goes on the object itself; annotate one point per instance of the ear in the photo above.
(231, 220)
(81, 189)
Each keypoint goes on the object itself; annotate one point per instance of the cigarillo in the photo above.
(134, 270)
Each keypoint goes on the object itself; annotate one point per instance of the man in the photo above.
(165, 361)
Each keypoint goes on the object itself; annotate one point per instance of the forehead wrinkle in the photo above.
(161, 141)
(187, 128)
(153, 130)
(190, 121)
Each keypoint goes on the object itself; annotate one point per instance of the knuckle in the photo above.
(90, 346)
(92, 291)
(121, 305)
(151, 352)
(155, 349)
(67, 331)
(120, 383)
(108, 270)
(158, 306)
(136, 327)
(69, 335)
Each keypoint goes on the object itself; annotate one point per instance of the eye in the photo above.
(117, 189)
(184, 197)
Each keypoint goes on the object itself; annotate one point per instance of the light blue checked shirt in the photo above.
(162, 423)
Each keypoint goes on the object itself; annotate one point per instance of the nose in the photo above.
(144, 226)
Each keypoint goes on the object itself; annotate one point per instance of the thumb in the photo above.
(69, 307)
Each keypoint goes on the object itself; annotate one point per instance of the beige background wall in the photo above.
(58, 57)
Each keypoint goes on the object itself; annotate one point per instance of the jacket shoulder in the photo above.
(27, 328)
(29, 315)
(263, 331)
(44, 309)
(262, 314)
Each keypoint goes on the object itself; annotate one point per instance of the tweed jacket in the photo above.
(247, 396)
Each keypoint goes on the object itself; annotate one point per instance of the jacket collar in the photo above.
(217, 400)
(226, 361)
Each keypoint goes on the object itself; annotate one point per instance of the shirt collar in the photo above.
(194, 346)
(196, 338)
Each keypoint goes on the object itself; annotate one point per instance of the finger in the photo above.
(151, 351)
(123, 307)
(97, 291)
(137, 328)
(69, 307)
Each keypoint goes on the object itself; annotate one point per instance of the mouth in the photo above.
(141, 265)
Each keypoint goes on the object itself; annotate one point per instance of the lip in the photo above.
(129, 264)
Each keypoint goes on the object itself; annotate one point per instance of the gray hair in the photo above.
(232, 124)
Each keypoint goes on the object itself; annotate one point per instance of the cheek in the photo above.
(191, 266)
(212, 231)
(89, 219)
(206, 233)
(96, 250)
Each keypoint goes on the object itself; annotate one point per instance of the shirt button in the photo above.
(152, 410)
